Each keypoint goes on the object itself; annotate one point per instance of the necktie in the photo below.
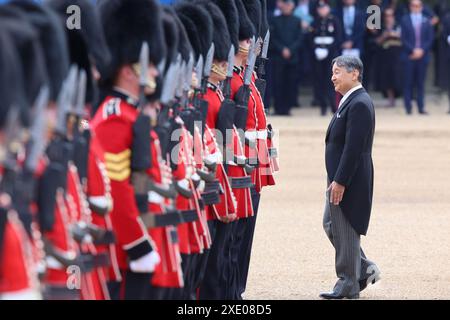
(347, 21)
(417, 29)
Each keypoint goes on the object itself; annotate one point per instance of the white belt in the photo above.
(184, 183)
(24, 294)
(153, 197)
(251, 135)
(262, 134)
(195, 177)
(241, 159)
(101, 202)
(215, 157)
(323, 40)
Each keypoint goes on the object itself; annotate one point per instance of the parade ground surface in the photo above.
(409, 233)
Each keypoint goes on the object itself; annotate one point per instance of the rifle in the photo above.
(18, 181)
(81, 139)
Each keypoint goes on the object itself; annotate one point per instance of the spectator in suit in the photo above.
(441, 8)
(417, 39)
(371, 49)
(353, 26)
(286, 39)
(446, 39)
(390, 49)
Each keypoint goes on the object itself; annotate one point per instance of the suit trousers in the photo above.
(415, 72)
(351, 263)
(284, 87)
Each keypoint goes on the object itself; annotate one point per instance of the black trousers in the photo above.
(238, 231)
(324, 86)
(214, 285)
(134, 286)
(448, 85)
(247, 243)
(284, 87)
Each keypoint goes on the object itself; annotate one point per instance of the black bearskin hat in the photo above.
(127, 24)
(231, 15)
(53, 42)
(253, 8)
(246, 28)
(26, 41)
(221, 36)
(198, 24)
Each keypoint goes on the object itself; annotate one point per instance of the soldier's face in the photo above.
(152, 73)
(51, 116)
(244, 47)
(195, 80)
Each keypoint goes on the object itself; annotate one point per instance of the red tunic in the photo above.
(18, 277)
(190, 240)
(99, 194)
(168, 273)
(113, 124)
(243, 196)
(265, 166)
(251, 125)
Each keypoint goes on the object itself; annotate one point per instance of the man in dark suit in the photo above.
(417, 39)
(348, 157)
(446, 36)
(353, 25)
(286, 39)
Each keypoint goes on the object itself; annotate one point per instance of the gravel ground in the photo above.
(409, 234)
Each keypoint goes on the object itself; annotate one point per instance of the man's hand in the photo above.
(417, 54)
(336, 192)
(286, 53)
(228, 219)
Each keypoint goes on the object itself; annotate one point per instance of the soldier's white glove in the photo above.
(145, 264)
(321, 53)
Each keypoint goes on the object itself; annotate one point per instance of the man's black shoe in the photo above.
(334, 296)
(375, 277)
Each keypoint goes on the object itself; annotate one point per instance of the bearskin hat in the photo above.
(127, 24)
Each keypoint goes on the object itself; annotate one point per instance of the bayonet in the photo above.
(265, 47)
(188, 74)
(199, 71)
(36, 145)
(143, 73)
(208, 62)
(169, 84)
(250, 63)
(161, 66)
(64, 101)
(180, 80)
(81, 94)
(230, 62)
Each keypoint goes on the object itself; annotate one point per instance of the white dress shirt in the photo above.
(349, 19)
(349, 92)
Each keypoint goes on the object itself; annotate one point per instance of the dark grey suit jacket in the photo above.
(348, 157)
